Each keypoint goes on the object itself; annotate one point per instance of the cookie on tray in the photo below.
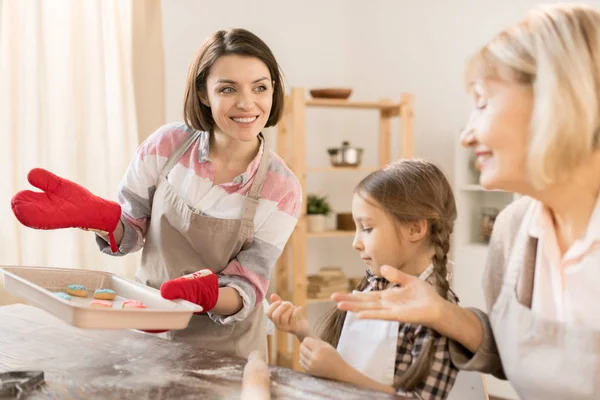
(77, 290)
(63, 295)
(101, 304)
(133, 304)
(104, 294)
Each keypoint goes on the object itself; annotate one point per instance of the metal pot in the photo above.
(345, 156)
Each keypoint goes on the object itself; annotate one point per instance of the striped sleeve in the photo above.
(137, 187)
(249, 272)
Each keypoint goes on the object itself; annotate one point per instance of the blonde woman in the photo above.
(536, 131)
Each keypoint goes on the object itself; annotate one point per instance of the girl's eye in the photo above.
(367, 230)
(261, 88)
(227, 89)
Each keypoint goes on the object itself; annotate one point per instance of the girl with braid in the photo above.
(404, 215)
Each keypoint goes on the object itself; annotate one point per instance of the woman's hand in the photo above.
(288, 317)
(416, 301)
(321, 359)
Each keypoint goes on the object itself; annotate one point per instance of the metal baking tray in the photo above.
(37, 285)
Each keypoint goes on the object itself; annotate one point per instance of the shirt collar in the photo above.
(539, 220)
(380, 283)
(540, 224)
(376, 282)
(204, 151)
(592, 233)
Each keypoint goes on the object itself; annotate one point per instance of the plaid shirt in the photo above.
(410, 342)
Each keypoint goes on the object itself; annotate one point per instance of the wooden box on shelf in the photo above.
(345, 222)
(328, 281)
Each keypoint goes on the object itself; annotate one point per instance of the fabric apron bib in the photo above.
(543, 359)
(180, 240)
(370, 346)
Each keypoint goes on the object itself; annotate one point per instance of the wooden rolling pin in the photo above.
(256, 381)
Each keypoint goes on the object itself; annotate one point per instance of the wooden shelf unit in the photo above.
(290, 273)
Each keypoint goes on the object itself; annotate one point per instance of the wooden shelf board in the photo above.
(378, 105)
(328, 234)
(342, 169)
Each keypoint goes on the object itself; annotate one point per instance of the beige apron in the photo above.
(180, 240)
(543, 359)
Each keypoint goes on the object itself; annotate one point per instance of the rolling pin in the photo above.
(256, 381)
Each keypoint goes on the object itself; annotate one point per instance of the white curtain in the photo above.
(81, 84)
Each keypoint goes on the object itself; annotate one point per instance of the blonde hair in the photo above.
(556, 50)
(409, 190)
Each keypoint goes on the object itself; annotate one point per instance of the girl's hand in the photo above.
(321, 359)
(288, 317)
(416, 301)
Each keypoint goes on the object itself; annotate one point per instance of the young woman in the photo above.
(206, 200)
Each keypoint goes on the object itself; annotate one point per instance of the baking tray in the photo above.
(37, 286)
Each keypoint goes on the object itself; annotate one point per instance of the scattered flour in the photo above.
(225, 370)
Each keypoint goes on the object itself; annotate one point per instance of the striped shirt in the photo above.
(411, 338)
(192, 177)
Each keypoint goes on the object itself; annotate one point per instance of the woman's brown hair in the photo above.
(221, 43)
(409, 191)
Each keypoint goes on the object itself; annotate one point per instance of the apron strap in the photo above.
(253, 195)
(515, 264)
(177, 154)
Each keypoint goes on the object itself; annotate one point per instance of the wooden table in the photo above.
(88, 364)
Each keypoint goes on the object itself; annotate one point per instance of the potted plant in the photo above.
(317, 209)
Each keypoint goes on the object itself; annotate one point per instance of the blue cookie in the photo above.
(63, 296)
(77, 290)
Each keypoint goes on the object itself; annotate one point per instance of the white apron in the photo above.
(370, 346)
(543, 359)
(180, 240)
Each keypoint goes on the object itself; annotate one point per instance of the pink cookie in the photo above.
(101, 304)
(133, 304)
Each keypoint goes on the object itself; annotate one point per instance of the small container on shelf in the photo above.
(345, 222)
(488, 217)
(317, 209)
(345, 156)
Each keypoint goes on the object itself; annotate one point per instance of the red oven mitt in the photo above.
(64, 204)
(201, 287)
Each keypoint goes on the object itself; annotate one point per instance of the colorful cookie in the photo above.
(100, 304)
(77, 290)
(104, 294)
(133, 304)
(62, 295)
